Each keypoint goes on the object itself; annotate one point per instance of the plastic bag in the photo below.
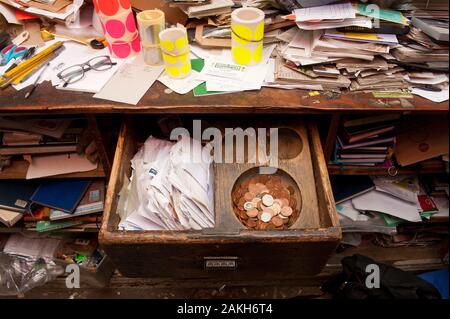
(20, 274)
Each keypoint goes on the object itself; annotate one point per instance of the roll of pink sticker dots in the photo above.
(119, 26)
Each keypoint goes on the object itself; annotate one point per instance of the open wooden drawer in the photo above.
(230, 250)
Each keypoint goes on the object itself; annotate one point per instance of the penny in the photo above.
(252, 223)
(286, 211)
(293, 202)
(284, 202)
(267, 200)
(249, 206)
(252, 188)
(291, 190)
(266, 216)
(255, 201)
(277, 221)
(260, 205)
(248, 197)
(252, 213)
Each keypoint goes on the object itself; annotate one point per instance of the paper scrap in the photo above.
(437, 97)
(52, 165)
(181, 86)
(137, 76)
(327, 12)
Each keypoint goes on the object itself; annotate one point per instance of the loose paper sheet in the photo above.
(52, 165)
(137, 76)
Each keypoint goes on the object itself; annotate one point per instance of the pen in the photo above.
(30, 52)
(54, 55)
(36, 83)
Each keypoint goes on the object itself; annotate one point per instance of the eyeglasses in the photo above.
(76, 72)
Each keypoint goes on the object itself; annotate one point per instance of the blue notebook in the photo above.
(15, 194)
(62, 195)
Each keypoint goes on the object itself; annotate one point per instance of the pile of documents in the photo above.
(381, 204)
(46, 146)
(171, 188)
(49, 205)
(204, 8)
(334, 46)
(53, 9)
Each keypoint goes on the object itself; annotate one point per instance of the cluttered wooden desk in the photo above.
(361, 104)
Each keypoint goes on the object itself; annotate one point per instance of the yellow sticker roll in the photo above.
(247, 33)
(177, 67)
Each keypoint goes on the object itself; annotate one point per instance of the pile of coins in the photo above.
(265, 202)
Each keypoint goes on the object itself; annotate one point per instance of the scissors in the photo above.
(12, 51)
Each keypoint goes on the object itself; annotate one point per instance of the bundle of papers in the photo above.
(171, 188)
(395, 200)
(200, 10)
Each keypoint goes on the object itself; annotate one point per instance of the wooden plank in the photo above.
(360, 170)
(158, 100)
(331, 136)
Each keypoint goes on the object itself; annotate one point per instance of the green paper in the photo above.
(383, 14)
(391, 221)
(200, 90)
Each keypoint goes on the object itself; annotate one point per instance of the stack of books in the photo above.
(50, 205)
(367, 141)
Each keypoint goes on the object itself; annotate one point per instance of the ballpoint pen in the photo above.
(36, 83)
(53, 55)
(30, 52)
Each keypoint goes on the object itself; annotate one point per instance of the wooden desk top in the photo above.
(268, 100)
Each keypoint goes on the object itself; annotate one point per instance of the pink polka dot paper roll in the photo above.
(125, 49)
(109, 8)
(119, 26)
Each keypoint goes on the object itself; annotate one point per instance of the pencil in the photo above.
(36, 83)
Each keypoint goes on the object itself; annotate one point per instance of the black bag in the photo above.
(393, 284)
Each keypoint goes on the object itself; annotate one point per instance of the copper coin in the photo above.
(260, 205)
(252, 223)
(284, 202)
(286, 211)
(241, 201)
(248, 197)
(293, 202)
(277, 221)
(253, 188)
(291, 190)
(252, 213)
(255, 201)
(261, 225)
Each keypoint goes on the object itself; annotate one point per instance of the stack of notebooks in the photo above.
(52, 204)
(37, 136)
(367, 141)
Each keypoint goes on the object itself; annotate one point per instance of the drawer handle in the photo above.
(221, 263)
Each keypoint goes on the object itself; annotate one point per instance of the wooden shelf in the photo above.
(13, 230)
(359, 170)
(18, 170)
(158, 101)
